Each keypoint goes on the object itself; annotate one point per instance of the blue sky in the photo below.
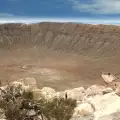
(93, 11)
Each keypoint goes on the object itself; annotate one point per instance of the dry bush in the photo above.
(58, 109)
(18, 105)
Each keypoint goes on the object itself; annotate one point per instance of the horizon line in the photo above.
(76, 20)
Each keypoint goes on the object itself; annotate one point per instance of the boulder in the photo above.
(48, 90)
(20, 85)
(48, 93)
(94, 90)
(112, 116)
(16, 84)
(29, 82)
(80, 89)
(83, 109)
(108, 77)
(31, 112)
(107, 90)
(76, 93)
(105, 104)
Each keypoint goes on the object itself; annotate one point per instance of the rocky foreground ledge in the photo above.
(94, 103)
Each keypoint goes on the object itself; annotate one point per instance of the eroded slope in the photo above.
(99, 40)
(59, 55)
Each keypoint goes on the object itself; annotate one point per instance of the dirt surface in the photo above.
(59, 55)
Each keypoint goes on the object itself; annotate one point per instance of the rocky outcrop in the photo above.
(108, 77)
(94, 103)
(76, 93)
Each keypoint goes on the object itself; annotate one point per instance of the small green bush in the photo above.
(59, 109)
(16, 106)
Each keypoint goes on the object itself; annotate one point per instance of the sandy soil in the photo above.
(53, 69)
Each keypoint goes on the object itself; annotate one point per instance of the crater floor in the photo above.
(54, 69)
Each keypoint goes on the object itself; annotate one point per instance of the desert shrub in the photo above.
(27, 95)
(19, 105)
(59, 109)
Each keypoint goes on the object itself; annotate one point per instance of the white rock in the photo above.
(76, 93)
(113, 116)
(60, 94)
(31, 113)
(4, 87)
(24, 67)
(48, 93)
(117, 91)
(80, 89)
(26, 88)
(29, 82)
(108, 77)
(107, 90)
(94, 90)
(16, 84)
(106, 104)
(57, 94)
(83, 110)
(48, 90)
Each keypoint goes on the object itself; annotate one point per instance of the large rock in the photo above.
(47, 90)
(31, 112)
(83, 109)
(29, 82)
(108, 77)
(105, 104)
(22, 87)
(94, 90)
(16, 84)
(113, 116)
(76, 93)
(48, 93)
(107, 90)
